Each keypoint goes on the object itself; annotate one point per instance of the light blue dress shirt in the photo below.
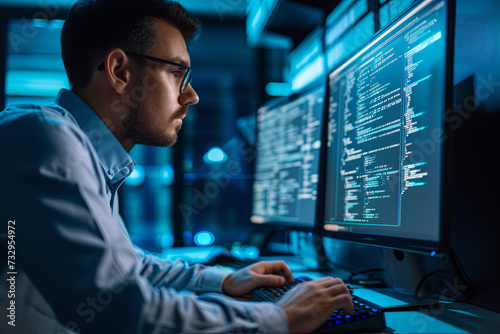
(76, 269)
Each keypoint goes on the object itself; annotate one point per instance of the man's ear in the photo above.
(117, 69)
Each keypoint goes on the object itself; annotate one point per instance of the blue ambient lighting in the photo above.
(167, 174)
(433, 253)
(137, 176)
(258, 14)
(166, 240)
(215, 155)
(308, 74)
(278, 89)
(204, 238)
(34, 83)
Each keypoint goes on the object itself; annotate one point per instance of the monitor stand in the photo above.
(403, 270)
(425, 277)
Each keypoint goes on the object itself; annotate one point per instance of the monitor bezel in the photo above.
(318, 84)
(442, 245)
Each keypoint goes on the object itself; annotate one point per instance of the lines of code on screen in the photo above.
(385, 129)
(287, 165)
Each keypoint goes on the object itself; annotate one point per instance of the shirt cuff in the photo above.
(213, 278)
(271, 317)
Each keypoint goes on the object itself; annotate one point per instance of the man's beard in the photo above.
(140, 134)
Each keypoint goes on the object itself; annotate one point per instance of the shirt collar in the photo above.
(115, 161)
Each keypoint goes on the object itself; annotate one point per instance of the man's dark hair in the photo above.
(94, 27)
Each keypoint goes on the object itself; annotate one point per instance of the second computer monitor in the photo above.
(287, 160)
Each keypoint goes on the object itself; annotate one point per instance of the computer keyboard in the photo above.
(367, 317)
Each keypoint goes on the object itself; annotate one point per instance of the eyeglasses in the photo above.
(186, 79)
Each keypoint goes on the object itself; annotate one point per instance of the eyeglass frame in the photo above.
(187, 70)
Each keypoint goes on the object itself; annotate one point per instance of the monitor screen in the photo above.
(287, 160)
(386, 135)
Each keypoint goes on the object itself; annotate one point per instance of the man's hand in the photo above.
(260, 274)
(309, 304)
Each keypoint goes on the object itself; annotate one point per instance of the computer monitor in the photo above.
(287, 160)
(387, 166)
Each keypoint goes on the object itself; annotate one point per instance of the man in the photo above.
(70, 265)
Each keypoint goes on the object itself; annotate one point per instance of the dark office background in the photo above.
(198, 192)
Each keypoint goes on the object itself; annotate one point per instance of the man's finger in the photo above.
(271, 280)
(328, 281)
(344, 302)
(275, 267)
(337, 289)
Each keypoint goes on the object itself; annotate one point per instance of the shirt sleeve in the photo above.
(179, 275)
(84, 264)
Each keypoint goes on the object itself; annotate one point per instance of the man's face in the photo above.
(155, 90)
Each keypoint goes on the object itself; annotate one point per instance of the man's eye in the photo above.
(178, 73)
